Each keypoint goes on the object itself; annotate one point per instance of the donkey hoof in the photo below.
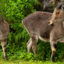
(6, 58)
(52, 60)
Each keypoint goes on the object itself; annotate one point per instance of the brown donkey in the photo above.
(4, 32)
(37, 25)
(58, 14)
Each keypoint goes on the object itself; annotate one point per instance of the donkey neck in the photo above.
(60, 25)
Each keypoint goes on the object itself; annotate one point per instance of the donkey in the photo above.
(37, 25)
(58, 14)
(4, 32)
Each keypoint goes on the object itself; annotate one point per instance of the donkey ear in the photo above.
(59, 6)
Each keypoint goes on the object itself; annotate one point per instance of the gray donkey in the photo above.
(4, 32)
(37, 25)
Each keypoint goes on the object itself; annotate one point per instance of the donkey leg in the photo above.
(53, 43)
(29, 45)
(3, 43)
(34, 44)
(53, 48)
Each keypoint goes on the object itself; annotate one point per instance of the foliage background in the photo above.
(14, 11)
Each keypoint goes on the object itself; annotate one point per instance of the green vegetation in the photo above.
(14, 12)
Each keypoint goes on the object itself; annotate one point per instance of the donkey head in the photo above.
(58, 14)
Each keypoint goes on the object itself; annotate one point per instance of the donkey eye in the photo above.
(57, 12)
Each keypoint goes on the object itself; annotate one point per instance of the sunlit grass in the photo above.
(29, 62)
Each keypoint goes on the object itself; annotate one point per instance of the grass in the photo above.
(28, 62)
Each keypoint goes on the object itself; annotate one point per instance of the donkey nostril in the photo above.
(52, 24)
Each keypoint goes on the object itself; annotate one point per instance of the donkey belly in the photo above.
(4, 31)
(2, 37)
(61, 40)
(45, 36)
(44, 39)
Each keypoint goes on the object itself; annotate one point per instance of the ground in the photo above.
(28, 62)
